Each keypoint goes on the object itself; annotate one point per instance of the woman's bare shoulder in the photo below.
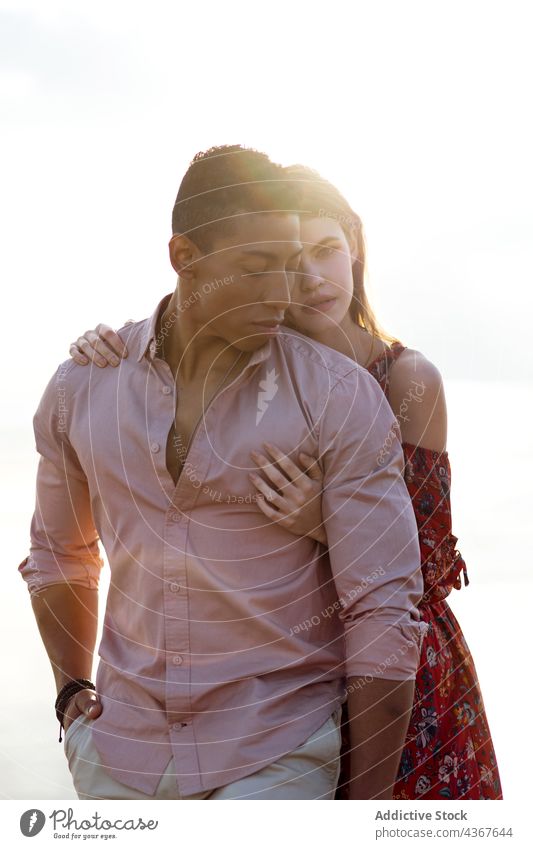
(414, 365)
(416, 395)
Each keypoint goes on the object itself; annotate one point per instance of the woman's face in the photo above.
(322, 290)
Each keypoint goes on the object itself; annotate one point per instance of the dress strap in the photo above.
(380, 367)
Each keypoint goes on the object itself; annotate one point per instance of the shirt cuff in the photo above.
(44, 571)
(384, 647)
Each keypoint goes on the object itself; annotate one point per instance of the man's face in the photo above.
(245, 279)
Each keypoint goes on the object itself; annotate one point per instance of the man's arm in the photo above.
(63, 568)
(67, 616)
(375, 561)
(66, 612)
(379, 713)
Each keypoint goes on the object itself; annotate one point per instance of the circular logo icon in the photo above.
(32, 822)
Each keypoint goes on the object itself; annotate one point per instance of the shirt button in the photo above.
(166, 390)
(177, 726)
(177, 660)
(154, 447)
(174, 588)
(175, 517)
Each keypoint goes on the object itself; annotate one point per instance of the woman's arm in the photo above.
(423, 425)
(416, 395)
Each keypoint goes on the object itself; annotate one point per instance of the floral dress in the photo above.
(448, 752)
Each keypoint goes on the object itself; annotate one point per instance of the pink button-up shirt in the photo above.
(226, 639)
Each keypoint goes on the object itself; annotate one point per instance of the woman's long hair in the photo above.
(319, 198)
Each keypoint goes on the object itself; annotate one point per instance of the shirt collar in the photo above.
(148, 342)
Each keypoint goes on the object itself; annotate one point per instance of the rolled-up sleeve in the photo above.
(371, 531)
(64, 542)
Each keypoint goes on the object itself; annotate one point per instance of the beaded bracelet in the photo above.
(65, 694)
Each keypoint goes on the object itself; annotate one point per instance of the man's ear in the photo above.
(183, 256)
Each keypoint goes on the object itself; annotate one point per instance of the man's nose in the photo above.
(279, 289)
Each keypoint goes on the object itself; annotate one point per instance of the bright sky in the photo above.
(419, 111)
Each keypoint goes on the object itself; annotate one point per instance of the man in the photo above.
(227, 640)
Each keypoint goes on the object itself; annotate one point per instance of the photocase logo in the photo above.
(32, 822)
(269, 388)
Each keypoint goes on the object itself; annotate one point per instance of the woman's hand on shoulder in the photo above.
(416, 395)
(102, 346)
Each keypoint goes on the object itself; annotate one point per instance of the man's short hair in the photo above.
(225, 182)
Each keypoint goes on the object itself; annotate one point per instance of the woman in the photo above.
(448, 752)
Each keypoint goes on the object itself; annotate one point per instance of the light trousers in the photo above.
(310, 771)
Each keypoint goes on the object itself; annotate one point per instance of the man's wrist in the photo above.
(66, 693)
(70, 689)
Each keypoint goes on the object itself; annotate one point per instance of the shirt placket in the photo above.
(177, 614)
(177, 641)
